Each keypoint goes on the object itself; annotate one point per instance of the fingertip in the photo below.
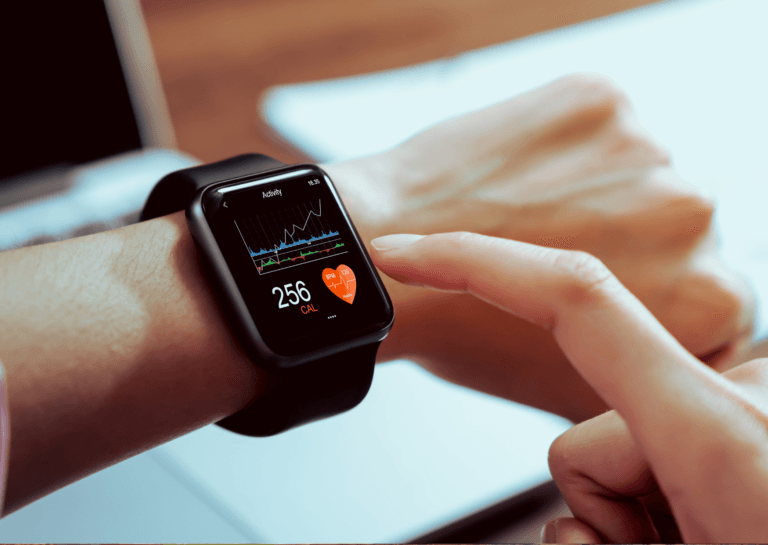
(394, 242)
(549, 532)
(389, 261)
(568, 530)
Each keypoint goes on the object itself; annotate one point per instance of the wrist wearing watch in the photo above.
(293, 278)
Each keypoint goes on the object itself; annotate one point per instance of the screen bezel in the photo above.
(228, 293)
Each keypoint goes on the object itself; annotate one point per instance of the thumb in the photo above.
(662, 391)
(568, 530)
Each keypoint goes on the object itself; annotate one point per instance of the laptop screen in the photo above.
(64, 96)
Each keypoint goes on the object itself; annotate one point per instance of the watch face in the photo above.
(299, 268)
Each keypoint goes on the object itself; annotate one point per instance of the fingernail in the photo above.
(549, 532)
(394, 242)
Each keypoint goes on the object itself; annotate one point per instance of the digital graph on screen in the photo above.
(289, 237)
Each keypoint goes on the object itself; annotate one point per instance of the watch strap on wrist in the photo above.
(316, 390)
(174, 192)
(302, 394)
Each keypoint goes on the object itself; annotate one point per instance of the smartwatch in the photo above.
(293, 278)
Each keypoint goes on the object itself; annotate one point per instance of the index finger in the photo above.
(616, 344)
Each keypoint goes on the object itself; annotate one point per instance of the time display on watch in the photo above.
(298, 264)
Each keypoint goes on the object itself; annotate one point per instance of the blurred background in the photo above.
(217, 58)
(103, 100)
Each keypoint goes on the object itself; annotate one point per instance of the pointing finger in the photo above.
(617, 345)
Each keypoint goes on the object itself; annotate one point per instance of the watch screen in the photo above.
(298, 266)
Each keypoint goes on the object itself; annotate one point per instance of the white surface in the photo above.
(101, 191)
(417, 453)
(140, 500)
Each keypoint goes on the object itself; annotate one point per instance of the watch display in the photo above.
(298, 265)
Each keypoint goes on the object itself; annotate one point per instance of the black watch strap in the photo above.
(300, 395)
(174, 192)
(313, 391)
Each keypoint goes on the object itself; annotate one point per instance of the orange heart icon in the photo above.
(341, 282)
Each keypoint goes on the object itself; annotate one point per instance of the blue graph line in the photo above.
(299, 242)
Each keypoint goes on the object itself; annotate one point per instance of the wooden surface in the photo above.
(216, 58)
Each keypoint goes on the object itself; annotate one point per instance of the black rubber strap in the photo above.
(315, 390)
(300, 395)
(174, 192)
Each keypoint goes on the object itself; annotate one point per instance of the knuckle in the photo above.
(593, 86)
(584, 277)
(674, 213)
(684, 198)
(591, 93)
(558, 456)
(459, 239)
(453, 244)
(688, 217)
(754, 372)
(695, 211)
(565, 460)
(727, 299)
(728, 449)
(713, 304)
(631, 138)
(702, 204)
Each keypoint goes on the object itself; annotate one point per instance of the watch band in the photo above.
(174, 192)
(303, 394)
(315, 390)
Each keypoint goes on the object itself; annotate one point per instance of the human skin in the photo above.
(569, 166)
(113, 344)
(684, 455)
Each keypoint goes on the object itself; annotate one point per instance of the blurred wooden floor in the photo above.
(217, 57)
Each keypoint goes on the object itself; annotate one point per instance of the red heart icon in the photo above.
(341, 282)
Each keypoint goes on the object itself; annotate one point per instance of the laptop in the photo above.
(80, 93)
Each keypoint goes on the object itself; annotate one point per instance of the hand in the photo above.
(563, 166)
(689, 442)
(603, 473)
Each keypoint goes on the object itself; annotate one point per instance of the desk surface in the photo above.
(216, 59)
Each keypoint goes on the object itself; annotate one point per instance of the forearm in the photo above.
(112, 345)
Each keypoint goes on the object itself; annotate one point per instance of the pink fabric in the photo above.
(5, 431)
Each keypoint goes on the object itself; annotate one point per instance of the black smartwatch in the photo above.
(293, 278)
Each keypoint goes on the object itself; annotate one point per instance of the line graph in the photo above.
(289, 237)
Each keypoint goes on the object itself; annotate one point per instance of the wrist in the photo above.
(187, 335)
(367, 187)
(129, 352)
(371, 193)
